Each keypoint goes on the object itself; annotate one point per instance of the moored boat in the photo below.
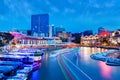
(8, 70)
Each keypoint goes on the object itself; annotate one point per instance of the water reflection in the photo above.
(105, 70)
(85, 52)
(97, 70)
(46, 58)
(35, 75)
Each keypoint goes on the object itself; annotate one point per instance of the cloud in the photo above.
(70, 1)
(17, 12)
(55, 9)
(47, 2)
(2, 17)
(3, 8)
(69, 10)
(110, 4)
(96, 5)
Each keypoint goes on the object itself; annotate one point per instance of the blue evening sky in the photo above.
(74, 15)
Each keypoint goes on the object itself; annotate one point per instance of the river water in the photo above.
(79, 65)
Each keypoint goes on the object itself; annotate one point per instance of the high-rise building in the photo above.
(40, 25)
(29, 32)
(59, 29)
(51, 30)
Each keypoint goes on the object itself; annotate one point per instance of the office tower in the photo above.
(29, 32)
(51, 30)
(59, 29)
(40, 25)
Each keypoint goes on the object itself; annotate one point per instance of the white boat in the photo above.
(19, 65)
(15, 57)
(2, 77)
(18, 77)
(34, 56)
(26, 71)
(8, 70)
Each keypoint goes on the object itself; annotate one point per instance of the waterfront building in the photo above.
(92, 40)
(24, 41)
(105, 34)
(101, 39)
(104, 39)
(115, 37)
(40, 25)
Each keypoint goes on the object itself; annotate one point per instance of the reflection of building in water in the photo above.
(46, 58)
(86, 51)
(105, 70)
(91, 50)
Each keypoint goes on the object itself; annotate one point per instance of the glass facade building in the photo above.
(40, 25)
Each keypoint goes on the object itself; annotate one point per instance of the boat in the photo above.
(34, 66)
(112, 62)
(35, 56)
(17, 77)
(36, 52)
(8, 70)
(15, 57)
(2, 77)
(27, 71)
(19, 65)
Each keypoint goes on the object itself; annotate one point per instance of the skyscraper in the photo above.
(51, 30)
(40, 25)
(59, 29)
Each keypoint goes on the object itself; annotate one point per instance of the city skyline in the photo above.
(73, 15)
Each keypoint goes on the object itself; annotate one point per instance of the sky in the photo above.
(73, 15)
